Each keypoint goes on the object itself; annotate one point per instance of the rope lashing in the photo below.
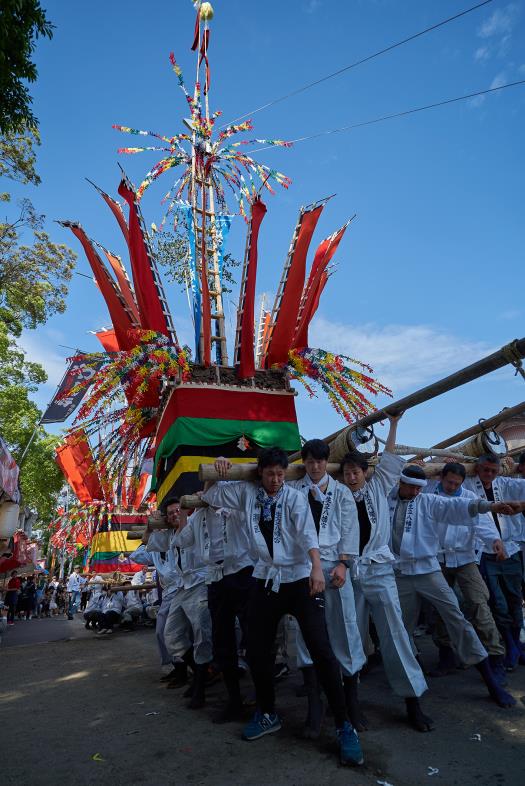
(511, 354)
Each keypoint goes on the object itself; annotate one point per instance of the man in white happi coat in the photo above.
(375, 588)
(503, 577)
(335, 517)
(289, 580)
(221, 541)
(175, 670)
(457, 557)
(189, 605)
(415, 544)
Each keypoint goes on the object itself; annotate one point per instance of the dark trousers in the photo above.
(228, 599)
(109, 619)
(265, 610)
(11, 600)
(93, 616)
(504, 583)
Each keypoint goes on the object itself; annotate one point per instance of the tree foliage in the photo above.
(172, 252)
(34, 276)
(21, 23)
(34, 271)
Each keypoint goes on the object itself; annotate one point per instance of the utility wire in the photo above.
(396, 114)
(359, 62)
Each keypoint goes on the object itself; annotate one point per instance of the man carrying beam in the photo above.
(335, 517)
(415, 543)
(373, 576)
(504, 576)
(459, 565)
(290, 580)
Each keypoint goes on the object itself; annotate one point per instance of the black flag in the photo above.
(64, 402)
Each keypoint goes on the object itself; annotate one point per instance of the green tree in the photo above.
(34, 276)
(21, 23)
(172, 252)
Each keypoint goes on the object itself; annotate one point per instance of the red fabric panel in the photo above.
(117, 212)
(150, 309)
(284, 328)
(316, 283)
(136, 498)
(85, 463)
(123, 283)
(121, 321)
(225, 405)
(108, 340)
(246, 354)
(66, 461)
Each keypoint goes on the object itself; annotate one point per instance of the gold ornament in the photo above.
(206, 12)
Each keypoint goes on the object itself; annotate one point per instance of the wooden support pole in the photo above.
(510, 353)
(483, 425)
(249, 472)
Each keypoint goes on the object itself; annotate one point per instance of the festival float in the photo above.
(151, 399)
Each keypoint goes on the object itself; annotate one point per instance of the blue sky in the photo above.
(430, 275)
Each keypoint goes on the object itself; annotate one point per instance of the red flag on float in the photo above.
(147, 286)
(121, 316)
(292, 290)
(316, 283)
(76, 461)
(245, 360)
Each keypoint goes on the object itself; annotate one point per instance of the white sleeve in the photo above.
(512, 489)
(387, 472)
(453, 511)
(141, 556)
(186, 536)
(349, 543)
(486, 530)
(226, 495)
(159, 540)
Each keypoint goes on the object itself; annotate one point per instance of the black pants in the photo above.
(11, 600)
(109, 619)
(228, 599)
(93, 616)
(265, 610)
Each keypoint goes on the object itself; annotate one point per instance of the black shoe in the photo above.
(178, 677)
(199, 686)
(418, 720)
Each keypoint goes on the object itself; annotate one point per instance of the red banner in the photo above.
(246, 366)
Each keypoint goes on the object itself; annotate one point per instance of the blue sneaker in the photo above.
(349, 748)
(261, 724)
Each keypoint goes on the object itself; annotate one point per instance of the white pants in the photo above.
(435, 588)
(160, 625)
(375, 594)
(189, 607)
(341, 622)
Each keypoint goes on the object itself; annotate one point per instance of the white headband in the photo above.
(413, 481)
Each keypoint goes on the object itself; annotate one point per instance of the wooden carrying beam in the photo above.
(510, 353)
(249, 472)
(482, 425)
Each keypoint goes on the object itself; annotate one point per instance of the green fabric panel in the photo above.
(212, 431)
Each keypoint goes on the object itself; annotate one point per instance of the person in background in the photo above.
(112, 606)
(74, 589)
(11, 599)
(93, 610)
(28, 598)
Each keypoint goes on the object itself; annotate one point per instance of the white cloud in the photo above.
(500, 23)
(476, 102)
(499, 80)
(521, 69)
(511, 313)
(482, 53)
(312, 6)
(38, 350)
(403, 357)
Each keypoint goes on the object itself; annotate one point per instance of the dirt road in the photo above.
(91, 710)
